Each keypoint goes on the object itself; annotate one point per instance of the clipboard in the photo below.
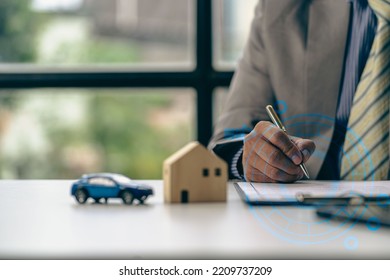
(315, 193)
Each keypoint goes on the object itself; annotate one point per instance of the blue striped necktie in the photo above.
(366, 146)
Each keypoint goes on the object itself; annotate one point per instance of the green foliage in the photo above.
(117, 133)
(131, 144)
(101, 50)
(95, 50)
(18, 26)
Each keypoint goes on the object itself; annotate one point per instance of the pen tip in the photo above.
(303, 167)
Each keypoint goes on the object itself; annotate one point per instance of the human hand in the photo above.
(270, 155)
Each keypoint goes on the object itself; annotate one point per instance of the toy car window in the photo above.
(122, 179)
(101, 181)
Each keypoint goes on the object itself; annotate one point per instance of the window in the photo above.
(99, 181)
(98, 33)
(218, 172)
(219, 99)
(232, 19)
(64, 133)
(85, 53)
(205, 172)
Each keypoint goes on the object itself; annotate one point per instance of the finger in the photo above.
(253, 175)
(276, 158)
(280, 140)
(273, 173)
(306, 146)
(248, 157)
(255, 164)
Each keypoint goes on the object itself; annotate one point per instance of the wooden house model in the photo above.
(194, 174)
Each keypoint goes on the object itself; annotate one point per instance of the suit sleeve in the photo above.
(249, 93)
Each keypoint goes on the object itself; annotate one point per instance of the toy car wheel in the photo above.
(81, 196)
(142, 199)
(127, 197)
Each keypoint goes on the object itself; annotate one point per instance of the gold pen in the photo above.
(275, 119)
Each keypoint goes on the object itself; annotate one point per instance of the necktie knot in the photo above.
(381, 9)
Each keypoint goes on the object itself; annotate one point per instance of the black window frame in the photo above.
(204, 79)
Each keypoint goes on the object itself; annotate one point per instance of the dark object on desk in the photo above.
(373, 215)
(109, 185)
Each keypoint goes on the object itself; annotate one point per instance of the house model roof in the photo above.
(188, 149)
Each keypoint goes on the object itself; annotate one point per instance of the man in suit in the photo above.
(324, 64)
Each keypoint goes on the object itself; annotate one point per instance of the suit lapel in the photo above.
(325, 51)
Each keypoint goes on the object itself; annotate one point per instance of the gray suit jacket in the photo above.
(294, 58)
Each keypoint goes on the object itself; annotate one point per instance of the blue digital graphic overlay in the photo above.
(281, 107)
(351, 243)
(386, 202)
(231, 133)
(282, 222)
(373, 223)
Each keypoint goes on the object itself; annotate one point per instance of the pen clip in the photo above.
(351, 200)
(329, 200)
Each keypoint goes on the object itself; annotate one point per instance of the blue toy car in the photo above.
(109, 185)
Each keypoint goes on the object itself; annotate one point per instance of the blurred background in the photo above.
(63, 132)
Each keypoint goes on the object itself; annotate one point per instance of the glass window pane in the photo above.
(219, 99)
(52, 133)
(116, 33)
(232, 19)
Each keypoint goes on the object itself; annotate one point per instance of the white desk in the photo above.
(39, 219)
